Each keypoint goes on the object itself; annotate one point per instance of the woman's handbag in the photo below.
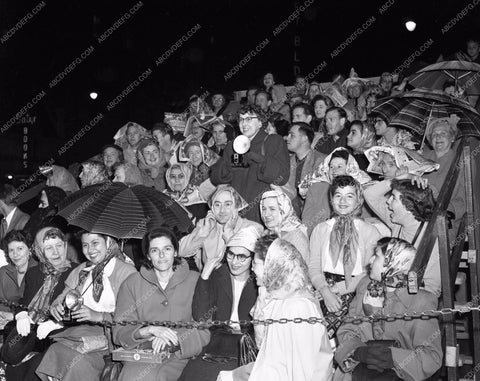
(16, 347)
(112, 369)
(362, 373)
(248, 350)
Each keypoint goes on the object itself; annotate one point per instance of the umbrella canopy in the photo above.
(413, 109)
(123, 211)
(463, 73)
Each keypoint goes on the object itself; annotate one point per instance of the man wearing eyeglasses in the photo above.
(227, 293)
(267, 162)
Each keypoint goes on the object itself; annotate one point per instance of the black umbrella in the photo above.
(123, 211)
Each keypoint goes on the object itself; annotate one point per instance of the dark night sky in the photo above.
(62, 30)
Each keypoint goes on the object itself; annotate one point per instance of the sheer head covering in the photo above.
(132, 173)
(322, 173)
(367, 136)
(120, 137)
(93, 172)
(240, 203)
(450, 122)
(416, 163)
(285, 269)
(398, 258)
(189, 195)
(354, 81)
(40, 303)
(344, 236)
(208, 156)
(62, 178)
(289, 221)
(185, 169)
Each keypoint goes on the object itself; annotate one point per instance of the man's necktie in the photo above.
(3, 228)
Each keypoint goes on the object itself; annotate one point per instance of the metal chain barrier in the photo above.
(424, 315)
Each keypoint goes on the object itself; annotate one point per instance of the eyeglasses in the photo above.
(240, 257)
(247, 119)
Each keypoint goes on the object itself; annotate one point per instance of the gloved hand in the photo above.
(23, 323)
(254, 157)
(378, 357)
(46, 327)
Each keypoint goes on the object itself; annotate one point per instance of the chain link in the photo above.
(408, 316)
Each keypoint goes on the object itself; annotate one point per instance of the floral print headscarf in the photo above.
(290, 221)
(285, 269)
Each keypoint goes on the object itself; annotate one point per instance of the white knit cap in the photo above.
(246, 237)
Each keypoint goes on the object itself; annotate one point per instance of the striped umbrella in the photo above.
(412, 110)
(123, 211)
(463, 74)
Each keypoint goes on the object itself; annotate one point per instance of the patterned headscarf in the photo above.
(344, 236)
(285, 269)
(189, 195)
(322, 173)
(367, 137)
(40, 304)
(399, 256)
(185, 169)
(289, 221)
(416, 163)
(204, 121)
(402, 138)
(93, 172)
(113, 250)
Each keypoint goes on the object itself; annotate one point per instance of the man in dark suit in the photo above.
(337, 130)
(13, 217)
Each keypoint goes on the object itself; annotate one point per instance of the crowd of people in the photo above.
(305, 204)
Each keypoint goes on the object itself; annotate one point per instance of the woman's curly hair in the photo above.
(420, 202)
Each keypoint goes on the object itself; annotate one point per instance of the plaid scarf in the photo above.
(40, 303)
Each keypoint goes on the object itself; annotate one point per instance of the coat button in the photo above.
(165, 303)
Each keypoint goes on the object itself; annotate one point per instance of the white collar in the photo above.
(9, 216)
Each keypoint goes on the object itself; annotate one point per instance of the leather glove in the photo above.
(378, 357)
(23, 323)
(46, 327)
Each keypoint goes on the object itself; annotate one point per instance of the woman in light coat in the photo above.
(162, 290)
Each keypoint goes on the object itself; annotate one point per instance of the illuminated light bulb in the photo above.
(410, 25)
